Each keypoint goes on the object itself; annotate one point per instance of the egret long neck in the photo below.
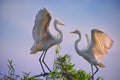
(59, 40)
(76, 45)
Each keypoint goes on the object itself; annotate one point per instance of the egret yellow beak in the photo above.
(62, 24)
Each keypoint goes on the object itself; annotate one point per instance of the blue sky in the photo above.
(17, 20)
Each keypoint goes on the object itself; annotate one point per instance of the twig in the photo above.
(39, 75)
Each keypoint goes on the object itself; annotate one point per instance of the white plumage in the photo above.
(96, 49)
(42, 37)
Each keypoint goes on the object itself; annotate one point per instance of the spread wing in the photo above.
(100, 43)
(88, 41)
(42, 21)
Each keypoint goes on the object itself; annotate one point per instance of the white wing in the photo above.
(40, 29)
(88, 41)
(100, 43)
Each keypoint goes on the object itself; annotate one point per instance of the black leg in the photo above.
(94, 72)
(41, 62)
(44, 61)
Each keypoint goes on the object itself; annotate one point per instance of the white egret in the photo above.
(96, 49)
(42, 37)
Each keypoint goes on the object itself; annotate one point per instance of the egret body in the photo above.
(42, 37)
(96, 49)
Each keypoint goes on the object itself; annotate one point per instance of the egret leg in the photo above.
(44, 61)
(41, 62)
(96, 70)
(92, 72)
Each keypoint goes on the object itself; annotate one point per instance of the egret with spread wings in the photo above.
(96, 49)
(42, 37)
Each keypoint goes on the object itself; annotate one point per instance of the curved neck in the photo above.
(76, 45)
(59, 40)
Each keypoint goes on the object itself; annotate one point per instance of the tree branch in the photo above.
(39, 75)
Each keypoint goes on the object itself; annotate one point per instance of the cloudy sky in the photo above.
(17, 20)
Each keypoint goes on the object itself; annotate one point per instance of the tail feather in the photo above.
(101, 65)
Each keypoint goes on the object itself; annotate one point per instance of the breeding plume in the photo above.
(96, 49)
(42, 37)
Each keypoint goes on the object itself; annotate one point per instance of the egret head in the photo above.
(76, 31)
(59, 22)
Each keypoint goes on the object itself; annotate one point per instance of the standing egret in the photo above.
(96, 49)
(42, 37)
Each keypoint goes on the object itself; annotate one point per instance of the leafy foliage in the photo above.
(99, 78)
(63, 69)
(11, 73)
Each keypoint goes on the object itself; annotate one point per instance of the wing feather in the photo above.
(88, 41)
(101, 43)
(42, 21)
